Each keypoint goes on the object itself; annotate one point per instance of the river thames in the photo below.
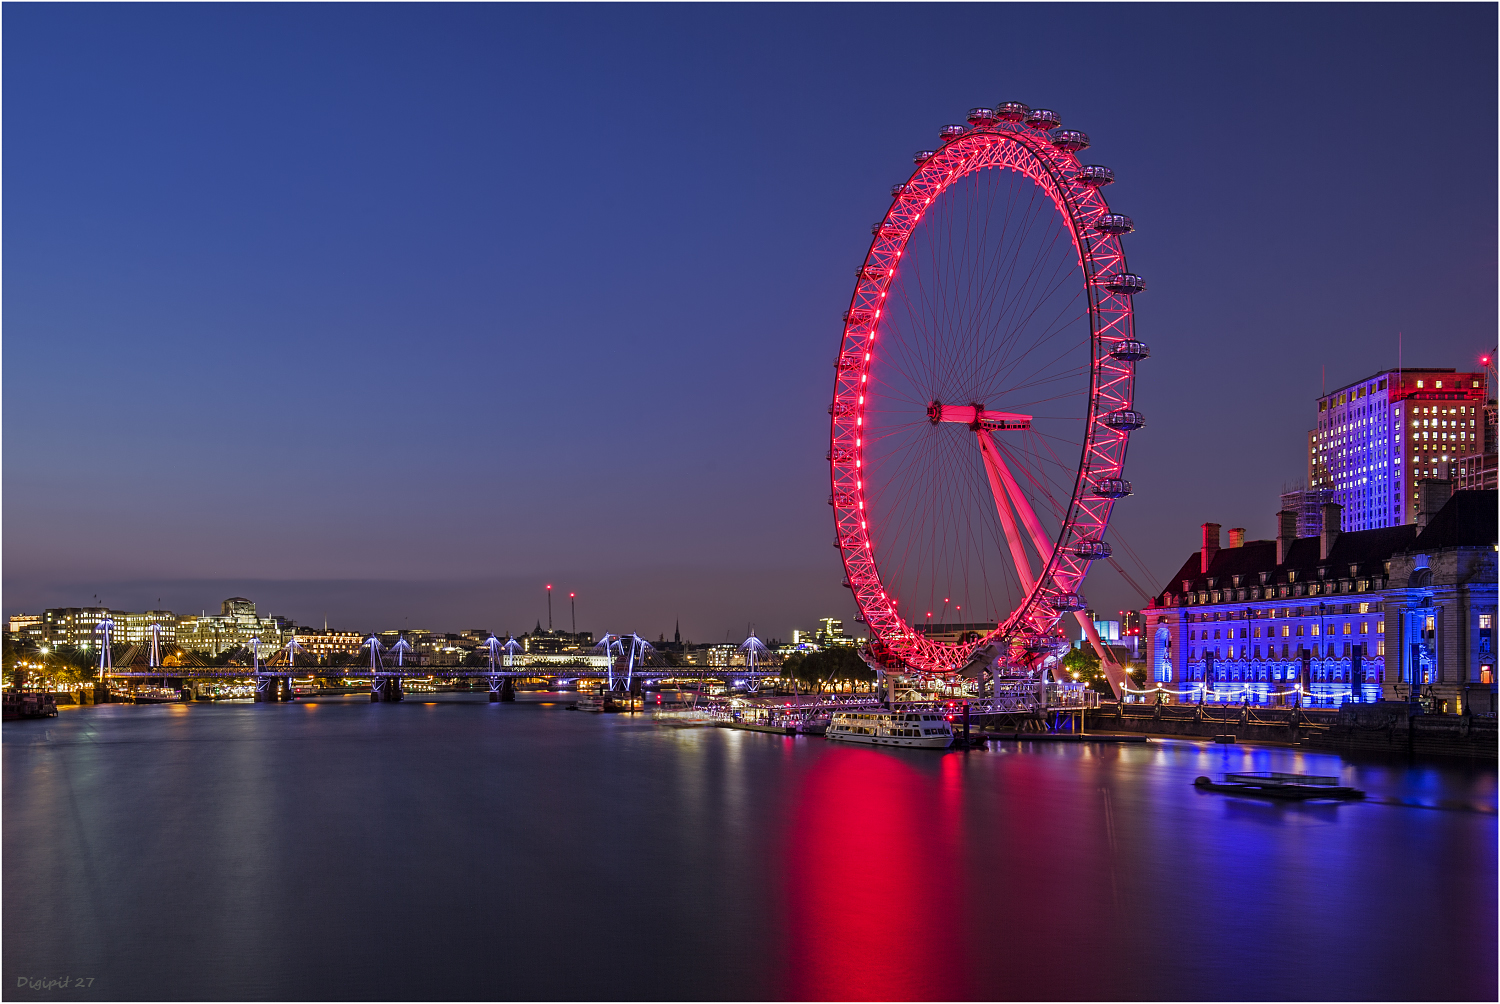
(449, 848)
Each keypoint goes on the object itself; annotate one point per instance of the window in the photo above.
(1485, 621)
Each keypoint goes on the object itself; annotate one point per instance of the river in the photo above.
(448, 848)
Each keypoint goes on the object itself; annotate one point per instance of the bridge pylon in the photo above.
(386, 688)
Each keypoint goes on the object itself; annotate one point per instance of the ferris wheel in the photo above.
(983, 397)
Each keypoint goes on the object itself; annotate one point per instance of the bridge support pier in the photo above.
(386, 688)
(495, 684)
(265, 689)
(508, 689)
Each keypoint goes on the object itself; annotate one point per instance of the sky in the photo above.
(392, 314)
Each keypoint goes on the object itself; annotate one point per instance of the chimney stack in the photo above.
(1210, 545)
(1236, 536)
(1432, 495)
(1333, 525)
(1286, 533)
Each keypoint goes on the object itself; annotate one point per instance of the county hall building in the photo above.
(1360, 615)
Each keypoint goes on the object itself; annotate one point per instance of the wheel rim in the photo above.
(918, 305)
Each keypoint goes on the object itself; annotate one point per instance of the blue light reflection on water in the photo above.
(453, 848)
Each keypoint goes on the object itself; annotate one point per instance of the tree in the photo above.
(841, 663)
(1082, 664)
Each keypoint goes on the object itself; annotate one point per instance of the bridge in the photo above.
(621, 664)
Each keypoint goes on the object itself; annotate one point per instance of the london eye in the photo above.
(983, 398)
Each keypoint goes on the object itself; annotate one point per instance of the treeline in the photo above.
(837, 664)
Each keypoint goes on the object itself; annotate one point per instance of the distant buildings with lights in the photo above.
(829, 634)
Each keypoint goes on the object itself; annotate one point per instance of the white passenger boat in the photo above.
(922, 729)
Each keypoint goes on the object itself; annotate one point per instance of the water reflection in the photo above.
(465, 850)
(873, 886)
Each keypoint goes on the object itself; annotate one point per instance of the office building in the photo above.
(237, 625)
(25, 627)
(78, 627)
(1377, 436)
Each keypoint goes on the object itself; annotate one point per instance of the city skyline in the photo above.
(297, 320)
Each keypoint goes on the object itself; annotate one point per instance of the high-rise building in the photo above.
(1378, 436)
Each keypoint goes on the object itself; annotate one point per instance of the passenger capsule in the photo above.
(1067, 602)
(1070, 140)
(981, 116)
(1011, 111)
(951, 132)
(923, 156)
(1114, 224)
(1130, 350)
(1125, 420)
(1095, 175)
(898, 190)
(1043, 119)
(1113, 488)
(1092, 550)
(1125, 283)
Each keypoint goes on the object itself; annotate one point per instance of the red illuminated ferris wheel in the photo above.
(983, 396)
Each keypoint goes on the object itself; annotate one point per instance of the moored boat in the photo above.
(918, 729)
(29, 704)
(1270, 784)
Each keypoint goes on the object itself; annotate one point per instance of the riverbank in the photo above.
(1385, 727)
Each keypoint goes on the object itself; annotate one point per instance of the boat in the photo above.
(1269, 784)
(919, 729)
(154, 695)
(29, 704)
(591, 702)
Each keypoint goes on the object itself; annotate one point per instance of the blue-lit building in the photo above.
(1336, 617)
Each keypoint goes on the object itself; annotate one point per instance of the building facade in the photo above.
(237, 625)
(1342, 616)
(321, 644)
(1377, 436)
(78, 627)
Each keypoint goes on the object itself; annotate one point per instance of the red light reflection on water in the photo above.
(873, 871)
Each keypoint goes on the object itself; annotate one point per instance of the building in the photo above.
(1478, 473)
(1130, 632)
(237, 625)
(78, 627)
(830, 634)
(544, 641)
(1377, 436)
(1308, 505)
(1338, 616)
(1440, 609)
(322, 644)
(25, 627)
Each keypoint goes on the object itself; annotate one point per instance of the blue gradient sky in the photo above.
(393, 313)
